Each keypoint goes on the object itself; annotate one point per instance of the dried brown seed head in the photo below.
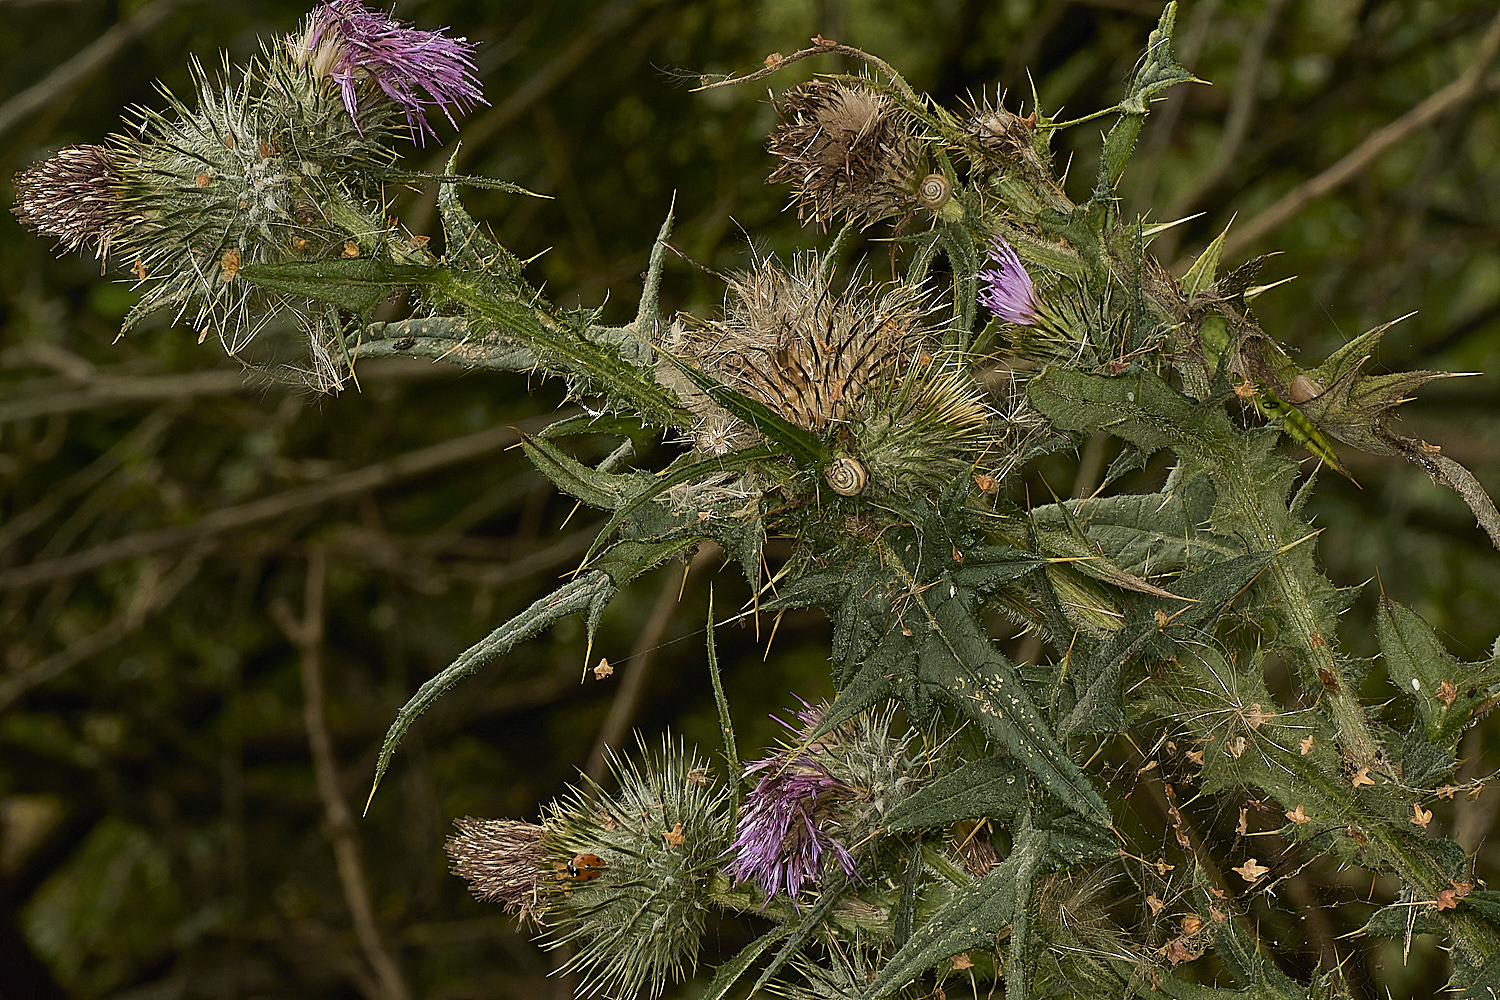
(850, 153)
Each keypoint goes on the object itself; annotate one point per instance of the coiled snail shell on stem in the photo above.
(934, 192)
(846, 476)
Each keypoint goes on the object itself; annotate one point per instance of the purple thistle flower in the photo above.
(780, 841)
(1006, 289)
(349, 43)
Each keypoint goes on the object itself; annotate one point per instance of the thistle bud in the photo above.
(630, 871)
(996, 139)
(858, 368)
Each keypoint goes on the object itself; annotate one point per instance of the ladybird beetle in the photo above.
(585, 866)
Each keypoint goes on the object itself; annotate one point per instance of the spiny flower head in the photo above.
(1006, 289)
(74, 197)
(238, 178)
(848, 150)
(996, 139)
(633, 905)
(360, 49)
(811, 354)
(858, 367)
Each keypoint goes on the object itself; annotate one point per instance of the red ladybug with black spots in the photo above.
(584, 867)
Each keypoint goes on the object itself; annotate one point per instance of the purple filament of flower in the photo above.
(403, 62)
(780, 842)
(808, 715)
(1006, 289)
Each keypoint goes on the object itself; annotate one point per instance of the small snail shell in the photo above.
(934, 192)
(846, 476)
(1303, 389)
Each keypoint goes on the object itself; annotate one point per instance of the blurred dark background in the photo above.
(162, 833)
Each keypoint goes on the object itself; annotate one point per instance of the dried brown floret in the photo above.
(72, 197)
(850, 153)
(503, 862)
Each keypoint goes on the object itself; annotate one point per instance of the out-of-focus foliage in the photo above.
(161, 833)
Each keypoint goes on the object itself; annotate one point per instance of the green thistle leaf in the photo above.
(992, 786)
(971, 919)
(603, 490)
(588, 593)
(1201, 275)
(354, 285)
(1159, 68)
(808, 924)
(467, 246)
(1446, 692)
(654, 487)
(730, 972)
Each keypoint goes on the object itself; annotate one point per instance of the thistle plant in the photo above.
(949, 820)
(284, 159)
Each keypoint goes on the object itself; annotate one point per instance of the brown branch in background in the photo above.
(87, 62)
(1145, 165)
(566, 549)
(1320, 933)
(139, 441)
(79, 391)
(152, 592)
(821, 46)
(416, 562)
(454, 532)
(633, 681)
(1473, 83)
(1473, 817)
(477, 131)
(307, 636)
(557, 69)
(374, 476)
(1247, 80)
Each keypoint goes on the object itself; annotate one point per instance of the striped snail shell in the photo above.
(934, 192)
(846, 475)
